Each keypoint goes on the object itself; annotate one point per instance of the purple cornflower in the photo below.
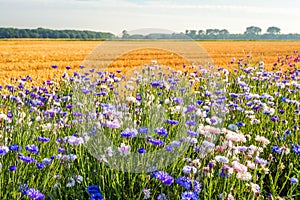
(164, 177)
(32, 148)
(161, 131)
(54, 66)
(191, 108)
(113, 124)
(35, 194)
(75, 140)
(260, 161)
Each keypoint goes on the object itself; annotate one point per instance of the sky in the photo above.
(174, 15)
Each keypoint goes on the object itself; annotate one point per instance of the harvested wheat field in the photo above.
(19, 58)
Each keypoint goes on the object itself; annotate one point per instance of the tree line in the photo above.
(251, 33)
(53, 34)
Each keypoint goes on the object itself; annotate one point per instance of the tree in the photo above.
(253, 30)
(125, 34)
(273, 30)
(224, 32)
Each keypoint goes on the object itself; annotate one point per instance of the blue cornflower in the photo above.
(3, 150)
(199, 102)
(96, 196)
(162, 197)
(129, 133)
(155, 83)
(161, 131)
(239, 124)
(287, 132)
(141, 150)
(54, 66)
(164, 177)
(27, 159)
(294, 180)
(32, 148)
(178, 100)
(192, 133)
(12, 168)
(172, 122)
(233, 95)
(184, 182)
(232, 127)
(276, 149)
(169, 148)
(43, 139)
(156, 142)
(23, 188)
(93, 189)
(61, 150)
(14, 147)
(191, 122)
(40, 165)
(296, 148)
(46, 161)
(143, 130)
(34, 194)
(189, 196)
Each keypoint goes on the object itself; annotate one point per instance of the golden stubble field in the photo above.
(19, 58)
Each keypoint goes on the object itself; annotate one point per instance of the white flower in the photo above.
(244, 176)
(262, 140)
(131, 99)
(147, 193)
(102, 158)
(71, 182)
(109, 152)
(3, 117)
(47, 126)
(78, 178)
(56, 185)
(222, 159)
(124, 149)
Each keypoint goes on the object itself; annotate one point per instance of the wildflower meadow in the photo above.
(200, 132)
